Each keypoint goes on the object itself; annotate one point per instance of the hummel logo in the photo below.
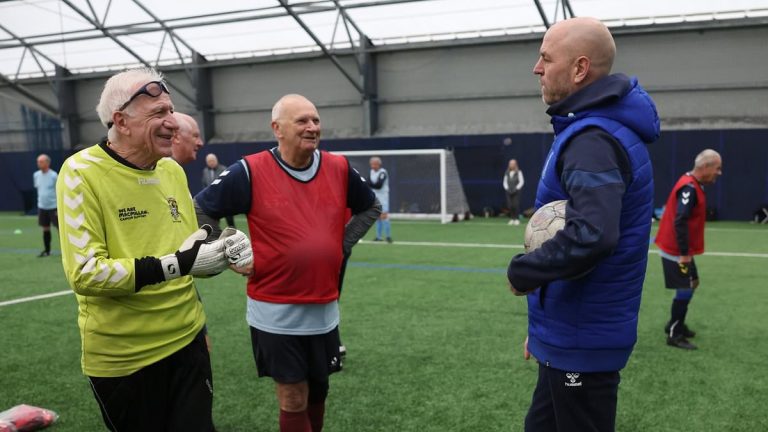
(572, 377)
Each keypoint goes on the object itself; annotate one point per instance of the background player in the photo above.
(378, 179)
(45, 183)
(680, 236)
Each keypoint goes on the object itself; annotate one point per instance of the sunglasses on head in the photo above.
(152, 88)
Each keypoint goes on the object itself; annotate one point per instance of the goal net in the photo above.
(423, 184)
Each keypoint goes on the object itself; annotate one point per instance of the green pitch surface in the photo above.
(433, 335)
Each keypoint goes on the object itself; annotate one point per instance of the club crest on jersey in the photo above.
(174, 207)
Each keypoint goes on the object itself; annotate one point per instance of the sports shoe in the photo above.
(687, 333)
(44, 254)
(680, 342)
(389, 239)
(377, 239)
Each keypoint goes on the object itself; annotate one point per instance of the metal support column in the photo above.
(370, 88)
(201, 80)
(70, 120)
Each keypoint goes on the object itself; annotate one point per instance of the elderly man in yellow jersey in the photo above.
(125, 209)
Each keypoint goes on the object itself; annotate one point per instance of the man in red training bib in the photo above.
(296, 199)
(681, 236)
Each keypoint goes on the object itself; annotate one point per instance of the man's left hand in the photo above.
(516, 292)
(237, 249)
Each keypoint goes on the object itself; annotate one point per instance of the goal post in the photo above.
(423, 184)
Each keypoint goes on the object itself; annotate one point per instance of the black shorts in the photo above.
(573, 401)
(47, 217)
(174, 394)
(678, 275)
(291, 359)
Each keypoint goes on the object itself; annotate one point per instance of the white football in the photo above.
(544, 224)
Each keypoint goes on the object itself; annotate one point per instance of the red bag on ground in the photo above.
(26, 418)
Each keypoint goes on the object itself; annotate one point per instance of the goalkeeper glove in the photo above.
(237, 248)
(196, 257)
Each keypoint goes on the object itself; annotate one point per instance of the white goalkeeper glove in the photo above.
(196, 257)
(237, 248)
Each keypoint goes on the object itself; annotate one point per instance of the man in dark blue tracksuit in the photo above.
(584, 284)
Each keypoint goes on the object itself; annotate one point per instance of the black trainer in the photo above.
(377, 239)
(680, 342)
(44, 254)
(389, 239)
(687, 333)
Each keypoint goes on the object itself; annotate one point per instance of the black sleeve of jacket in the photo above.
(593, 169)
(379, 183)
(360, 197)
(365, 210)
(686, 201)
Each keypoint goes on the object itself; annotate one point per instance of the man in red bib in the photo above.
(296, 199)
(681, 236)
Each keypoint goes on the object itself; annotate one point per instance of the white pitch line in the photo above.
(441, 244)
(37, 297)
(409, 243)
(519, 246)
(522, 226)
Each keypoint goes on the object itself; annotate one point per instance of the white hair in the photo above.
(375, 159)
(118, 89)
(706, 158)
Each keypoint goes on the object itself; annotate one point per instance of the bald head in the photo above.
(43, 162)
(186, 141)
(211, 160)
(708, 166)
(185, 121)
(587, 37)
(706, 158)
(574, 53)
(286, 103)
(296, 125)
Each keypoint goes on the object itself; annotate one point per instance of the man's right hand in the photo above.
(526, 353)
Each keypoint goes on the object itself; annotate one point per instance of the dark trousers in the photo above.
(573, 402)
(230, 221)
(513, 202)
(174, 394)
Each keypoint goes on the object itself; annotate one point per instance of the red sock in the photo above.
(316, 411)
(294, 422)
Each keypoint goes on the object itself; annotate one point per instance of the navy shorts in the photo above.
(678, 275)
(46, 218)
(290, 359)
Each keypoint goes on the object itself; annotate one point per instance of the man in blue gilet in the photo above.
(584, 284)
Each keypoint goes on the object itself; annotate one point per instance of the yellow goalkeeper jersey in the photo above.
(110, 214)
